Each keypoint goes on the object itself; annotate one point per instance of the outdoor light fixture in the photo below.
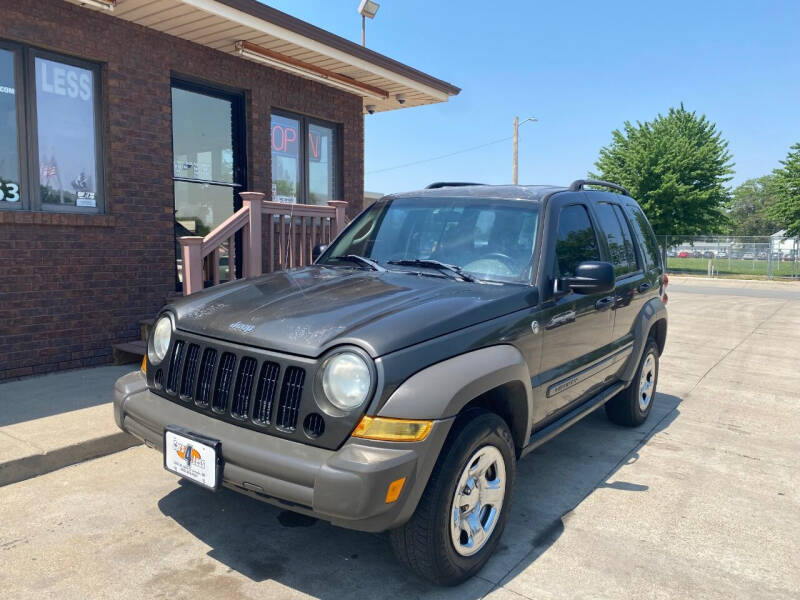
(106, 4)
(367, 8)
(401, 98)
(304, 69)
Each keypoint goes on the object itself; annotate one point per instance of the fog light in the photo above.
(394, 489)
(392, 430)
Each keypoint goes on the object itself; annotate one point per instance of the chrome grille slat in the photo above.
(206, 377)
(189, 371)
(227, 362)
(244, 388)
(265, 393)
(289, 404)
(175, 367)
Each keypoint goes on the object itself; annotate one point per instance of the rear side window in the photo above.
(647, 239)
(618, 235)
(627, 238)
(577, 241)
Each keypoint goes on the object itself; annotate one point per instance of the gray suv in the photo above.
(394, 384)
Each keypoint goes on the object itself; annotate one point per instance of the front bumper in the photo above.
(346, 487)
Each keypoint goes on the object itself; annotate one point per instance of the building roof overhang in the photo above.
(260, 33)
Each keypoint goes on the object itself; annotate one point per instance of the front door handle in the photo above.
(604, 303)
(643, 287)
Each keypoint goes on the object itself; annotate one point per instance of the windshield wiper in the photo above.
(453, 270)
(365, 262)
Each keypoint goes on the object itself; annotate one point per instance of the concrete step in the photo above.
(129, 352)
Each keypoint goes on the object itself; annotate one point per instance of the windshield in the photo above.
(488, 239)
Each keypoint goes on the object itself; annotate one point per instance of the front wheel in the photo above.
(462, 513)
(632, 405)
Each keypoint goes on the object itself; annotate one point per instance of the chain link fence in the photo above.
(771, 257)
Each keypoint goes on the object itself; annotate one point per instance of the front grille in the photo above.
(252, 388)
(206, 377)
(265, 394)
(224, 379)
(290, 398)
(187, 382)
(244, 387)
(175, 367)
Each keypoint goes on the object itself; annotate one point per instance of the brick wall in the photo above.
(71, 285)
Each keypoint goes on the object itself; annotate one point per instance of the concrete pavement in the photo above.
(56, 420)
(700, 502)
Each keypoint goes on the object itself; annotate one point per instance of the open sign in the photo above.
(285, 138)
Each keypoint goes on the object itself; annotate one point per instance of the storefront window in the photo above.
(9, 140)
(285, 159)
(65, 116)
(321, 175)
(304, 160)
(202, 136)
(50, 136)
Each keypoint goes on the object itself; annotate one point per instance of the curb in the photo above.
(33, 465)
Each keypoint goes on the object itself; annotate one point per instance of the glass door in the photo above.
(208, 165)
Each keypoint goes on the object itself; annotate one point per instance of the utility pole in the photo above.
(363, 30)
(515, 158)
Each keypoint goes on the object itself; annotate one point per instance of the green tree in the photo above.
(786, 208)
(676, 167)
(750, 207)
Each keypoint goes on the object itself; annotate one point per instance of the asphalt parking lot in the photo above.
(700, 502)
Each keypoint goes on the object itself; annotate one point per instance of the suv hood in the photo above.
(306, 311)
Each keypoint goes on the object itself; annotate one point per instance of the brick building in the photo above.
(125, 123)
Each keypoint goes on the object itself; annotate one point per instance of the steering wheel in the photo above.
(504, 258)
(494, 260)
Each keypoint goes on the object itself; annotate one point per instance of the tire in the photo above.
(425, 544)
(632, 405)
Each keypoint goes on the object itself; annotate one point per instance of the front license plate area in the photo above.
(193, 457)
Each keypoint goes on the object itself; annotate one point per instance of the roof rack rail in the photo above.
(442, 184)
(579, 184)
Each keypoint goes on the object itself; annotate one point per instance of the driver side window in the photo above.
(577, 240)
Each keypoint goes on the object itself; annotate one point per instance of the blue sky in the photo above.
(581, 68)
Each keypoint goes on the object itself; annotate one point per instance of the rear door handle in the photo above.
(643, 288)
(604, 303)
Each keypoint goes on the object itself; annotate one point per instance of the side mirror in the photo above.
(317, 250)
(592, 277)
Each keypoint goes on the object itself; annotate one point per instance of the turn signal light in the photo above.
(664, 298)
(144, 365)
(666, 280)
(394, 489)
(392, 430)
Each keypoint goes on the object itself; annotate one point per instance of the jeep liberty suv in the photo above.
(393, 384)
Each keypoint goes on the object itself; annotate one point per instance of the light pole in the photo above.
(367, 8)
(515, 165)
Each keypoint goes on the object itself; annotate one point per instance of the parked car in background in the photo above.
(762, 255)
(722, 254)
(697, 254)
(671, 253)
(708, 254)
(683, 254)
(789, 256)
(748, 256)
(776, 256)
(442, 336)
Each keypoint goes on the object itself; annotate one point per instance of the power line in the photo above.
(426, 160)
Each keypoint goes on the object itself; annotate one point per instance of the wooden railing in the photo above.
(292, 231)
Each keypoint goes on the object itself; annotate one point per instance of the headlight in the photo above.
(346, 380)
(162, 335)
